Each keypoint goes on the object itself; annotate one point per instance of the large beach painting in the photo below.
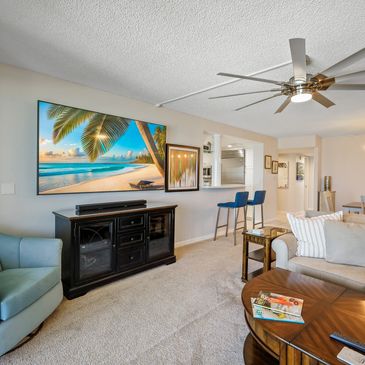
(82, 151)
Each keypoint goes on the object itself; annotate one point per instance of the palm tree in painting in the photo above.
(101, 132)
(160, 139)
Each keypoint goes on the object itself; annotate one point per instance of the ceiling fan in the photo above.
(303, 86)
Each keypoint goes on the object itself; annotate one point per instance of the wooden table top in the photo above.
(270, 232)
(352, 205)
(327, 308)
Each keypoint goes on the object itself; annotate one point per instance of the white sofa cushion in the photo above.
(345, 275)
(310, 233)
(345, 243)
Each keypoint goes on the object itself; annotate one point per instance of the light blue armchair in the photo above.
(30, 285)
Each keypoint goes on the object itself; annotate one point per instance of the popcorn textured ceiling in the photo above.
(157, 50)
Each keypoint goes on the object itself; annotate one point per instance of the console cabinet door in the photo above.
(160, 238)
(95, 250)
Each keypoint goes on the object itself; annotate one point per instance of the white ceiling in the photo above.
(154, 50)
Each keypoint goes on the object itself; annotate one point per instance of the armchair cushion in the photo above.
(19, 288)
(9, 251)
(40, 252)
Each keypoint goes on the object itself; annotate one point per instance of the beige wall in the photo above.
(26, 213)
(343, 158)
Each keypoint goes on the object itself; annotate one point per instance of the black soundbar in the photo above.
(100, 207)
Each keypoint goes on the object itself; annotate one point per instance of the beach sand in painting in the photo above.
(113, 183)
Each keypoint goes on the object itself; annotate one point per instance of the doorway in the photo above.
(296, 188)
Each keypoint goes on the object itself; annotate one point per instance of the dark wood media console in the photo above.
(105, 246)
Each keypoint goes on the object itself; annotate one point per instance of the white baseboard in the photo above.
(211, 236)
(194, 240)
(201, 238)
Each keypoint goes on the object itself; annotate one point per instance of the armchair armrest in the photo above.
(40, 252)
(285, 248)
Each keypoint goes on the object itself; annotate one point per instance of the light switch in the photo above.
(7, 189)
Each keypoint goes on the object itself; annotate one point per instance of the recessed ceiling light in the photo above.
(229, 145)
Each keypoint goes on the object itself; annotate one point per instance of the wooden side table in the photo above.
(263, 237)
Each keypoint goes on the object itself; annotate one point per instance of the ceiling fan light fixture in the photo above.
(301, 95)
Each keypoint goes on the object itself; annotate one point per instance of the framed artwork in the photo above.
(283, 175)
(182, 168)
(83, 151)
(300, 171)
(268, 162)
(274, 167)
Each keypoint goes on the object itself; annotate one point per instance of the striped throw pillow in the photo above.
(309, 233)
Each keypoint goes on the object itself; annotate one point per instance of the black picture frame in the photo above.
(168, 166)
(39, 193)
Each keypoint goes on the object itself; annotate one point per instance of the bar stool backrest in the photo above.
(241, 199)
(259, 197)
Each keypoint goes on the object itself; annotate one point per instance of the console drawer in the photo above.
(131, 221)
(130, 257)
(130, 238)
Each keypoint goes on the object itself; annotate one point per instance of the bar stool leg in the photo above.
(234, 225)
(262, 215)
(253, 217)
(228, 210)
(245, 217)
(216, 225)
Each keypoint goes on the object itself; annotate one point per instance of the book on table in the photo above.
(271, 315)
(279, 303)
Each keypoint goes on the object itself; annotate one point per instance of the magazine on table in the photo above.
(279, 303)
(270, 315)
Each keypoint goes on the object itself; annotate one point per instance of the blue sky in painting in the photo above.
(70, 149)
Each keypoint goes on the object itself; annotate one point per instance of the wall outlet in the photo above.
(7, 189)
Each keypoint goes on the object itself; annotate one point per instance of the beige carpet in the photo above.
(189, 312)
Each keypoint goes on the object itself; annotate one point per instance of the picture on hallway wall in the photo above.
(182, 168)
(274, 167)
(300, 171)
(82, 151)
(283, 175)
(268, 159)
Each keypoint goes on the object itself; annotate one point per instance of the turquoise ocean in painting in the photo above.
(58, 175)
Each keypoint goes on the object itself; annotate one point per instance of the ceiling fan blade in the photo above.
(248, 93)
(349, 76)
(319, 98)
(283, 105)
(297, 49)
(344, 63)
(259, 101)
(347, 87)
(252, 78)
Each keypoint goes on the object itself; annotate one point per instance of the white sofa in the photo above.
(349, 276)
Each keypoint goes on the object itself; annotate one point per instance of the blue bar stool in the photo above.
(240, 202)
(258, 199)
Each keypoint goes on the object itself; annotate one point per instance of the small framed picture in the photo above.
(267, 162)
(274, 167)
(300, 171)
(182, 168)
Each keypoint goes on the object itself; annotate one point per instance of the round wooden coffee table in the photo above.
(327, 308)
